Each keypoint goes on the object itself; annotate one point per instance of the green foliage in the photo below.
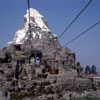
(78, 63)
(93, 69)
(35, 92)
(87, 69)
(41, 90)
(58, 90)
(45, 83)
(83, 99)
(96, 87)
(87, 99)
(16, 95)
(50, 91)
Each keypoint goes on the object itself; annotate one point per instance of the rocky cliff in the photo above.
(35, 59)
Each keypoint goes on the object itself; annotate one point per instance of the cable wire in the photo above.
(29, 25)
(82, 33)
(29, 19)
(75, 19)
(29, 9)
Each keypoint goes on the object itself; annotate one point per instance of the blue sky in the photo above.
(58, 13)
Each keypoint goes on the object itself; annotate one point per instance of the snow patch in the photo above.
(39, 21)
(34, 34)
(20, 34)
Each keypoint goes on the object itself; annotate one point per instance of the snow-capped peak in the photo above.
(33, 13)
(38, 18)
(38, 27)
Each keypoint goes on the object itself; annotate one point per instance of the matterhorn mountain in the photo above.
(36, 62)
(40, 37)
(38, 26)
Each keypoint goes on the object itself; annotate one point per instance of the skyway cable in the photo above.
(29, 19)
(82, 33)
(29, 10)
(74, 19)
(29, 25)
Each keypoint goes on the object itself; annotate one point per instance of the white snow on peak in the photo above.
(34, 13)
(38, 19)
(21, 34)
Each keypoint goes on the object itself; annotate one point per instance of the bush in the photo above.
(16, 96)
(58, 90)
(45, 83)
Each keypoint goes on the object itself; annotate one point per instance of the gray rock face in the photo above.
(35, 58)
(39, 37)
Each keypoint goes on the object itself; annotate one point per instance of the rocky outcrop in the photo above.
(36, 61)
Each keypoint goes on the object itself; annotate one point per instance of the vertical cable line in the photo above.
(82, 33)
(74, 19)
(29, 16)
(29, 25)
(29, 10)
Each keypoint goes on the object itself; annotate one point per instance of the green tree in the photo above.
(93, 69)
(78, 63)
(87, 69)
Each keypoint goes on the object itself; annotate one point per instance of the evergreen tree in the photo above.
(78, 63)
(93, 69)
(87, 69)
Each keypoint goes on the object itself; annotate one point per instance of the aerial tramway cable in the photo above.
(74, 19)
(29, 17)
(29, 10)
(29, 25)
(82, 33)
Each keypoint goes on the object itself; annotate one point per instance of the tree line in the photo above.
(90, 70)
